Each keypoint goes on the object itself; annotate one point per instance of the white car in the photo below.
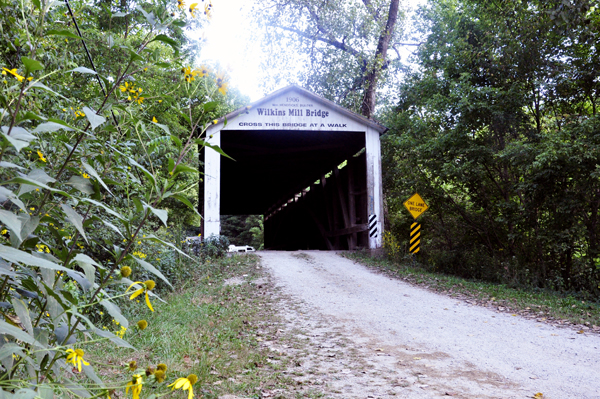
(242, 248)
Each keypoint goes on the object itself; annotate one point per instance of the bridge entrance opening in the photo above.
(310, 167)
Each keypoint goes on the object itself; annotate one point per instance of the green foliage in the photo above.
(94, 167)
(244, 230)
(498, 130)
(337, 49)
(214, 247)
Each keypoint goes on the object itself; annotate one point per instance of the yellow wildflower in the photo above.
(86, 176)
(185, 384)
(207, 11)
(204, 71)
(142, 324)
(180, 4)
(124, 87)
(76, 358)
(136, 386)
(192, 9)
(41, 156)
(148, 285)
(125, 270)
(154, 119)
(159, 375)
(221, 83)
(14, 73)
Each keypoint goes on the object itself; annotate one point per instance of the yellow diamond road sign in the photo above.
(416, 205)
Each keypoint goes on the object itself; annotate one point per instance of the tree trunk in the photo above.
(368, 102)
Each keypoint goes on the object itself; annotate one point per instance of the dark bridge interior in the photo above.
(270, 176)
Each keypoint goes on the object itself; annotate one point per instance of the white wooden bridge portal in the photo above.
(311, 167)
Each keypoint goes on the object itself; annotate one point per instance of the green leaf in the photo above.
(31, 65)
(29, 227)
(30, 116)
(84, 70)
(152, 270)
(114, 339)
(8, 349)
(162, 214)
(176, 141)
(214, 147)
(109, 225)
(25, 393)
(81, 184)
(138, 204)
(93, 172)
(184, 200)
(91, 374)
(210, 106)
(75, 219)
(12, 222)
(23, 314)
(168, 244)
(149, 17)
(115, 312)
(17, 256)
(163, 127)
(171, 166)
(26, 180)
(38, 85)
(133, 56)
(5, 164)
(36, 3)
(88, 265)
(120, 14)
(144, 170)
(167, 40)
(18, 138)
(19, 334)
(51, 127)
(103, 206)
(6, 194)
(94, 119)
(182, 168)
(65, 33)
(40, 176)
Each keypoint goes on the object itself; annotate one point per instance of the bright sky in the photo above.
(227, 41)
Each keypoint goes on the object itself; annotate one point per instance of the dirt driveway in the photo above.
(366, 335)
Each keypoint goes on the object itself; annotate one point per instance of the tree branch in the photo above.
(332, 42)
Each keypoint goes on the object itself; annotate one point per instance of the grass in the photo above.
(543, 305)
(208, 328)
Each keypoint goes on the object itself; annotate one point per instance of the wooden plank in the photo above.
(350, 230)
(324, 233)
(328, 205)
(342, 202)
(351, 202)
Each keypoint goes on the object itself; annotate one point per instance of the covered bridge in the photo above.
(311, 167)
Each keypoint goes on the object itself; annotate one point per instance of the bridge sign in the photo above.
(416, 205)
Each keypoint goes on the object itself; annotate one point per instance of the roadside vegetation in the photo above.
(207, 327)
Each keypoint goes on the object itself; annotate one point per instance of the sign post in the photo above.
(416, 206)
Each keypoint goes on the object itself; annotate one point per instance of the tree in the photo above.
(343, 46)
(498, 129)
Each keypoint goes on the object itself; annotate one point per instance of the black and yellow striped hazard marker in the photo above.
(415, 238)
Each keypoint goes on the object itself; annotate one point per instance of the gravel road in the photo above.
(458, 349)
